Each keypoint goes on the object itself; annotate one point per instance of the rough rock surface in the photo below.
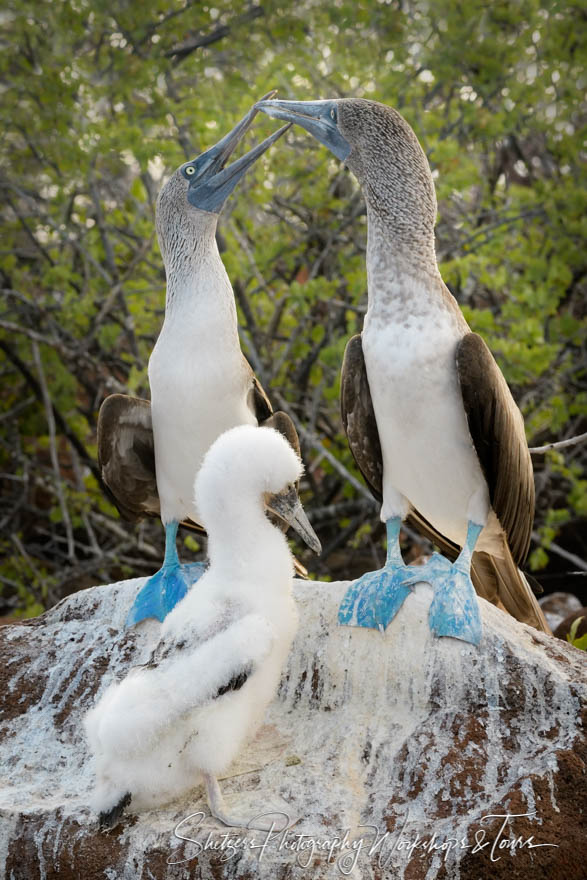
(431, 742)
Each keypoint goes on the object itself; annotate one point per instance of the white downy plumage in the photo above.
(185, 714)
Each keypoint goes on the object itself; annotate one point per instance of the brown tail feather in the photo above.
(500, 581)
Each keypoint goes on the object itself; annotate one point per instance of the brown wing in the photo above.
(497, 430)
(126, 455)
(358, 417)
(282, 423)
(258, 400)
(506, 586)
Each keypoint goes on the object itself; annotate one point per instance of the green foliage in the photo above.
(190, 543)
(577, 641)
(100, 100)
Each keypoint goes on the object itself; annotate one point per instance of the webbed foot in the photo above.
(167, 586)
(162, 592)
(454, 610)
(374, 599)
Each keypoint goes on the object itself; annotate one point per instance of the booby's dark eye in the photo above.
(190, 170)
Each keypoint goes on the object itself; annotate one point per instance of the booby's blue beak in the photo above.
(210, 183)
(320, 118)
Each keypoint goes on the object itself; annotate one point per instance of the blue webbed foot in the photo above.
(163, 591)
(195, 570)
(375, 598)
(166, 587)
(454, 610)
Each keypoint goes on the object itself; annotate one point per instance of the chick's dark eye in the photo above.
(190, 170)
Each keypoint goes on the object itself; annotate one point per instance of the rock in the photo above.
(557, 606)
(427, 744)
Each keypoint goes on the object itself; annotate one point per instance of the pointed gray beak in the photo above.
(320, 118)
(215, 158)
(289, 508)
(211, 194)
(210, 182)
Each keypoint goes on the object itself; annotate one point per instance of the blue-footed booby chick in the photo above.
(201, 383)
(186, 713)
(428, 415)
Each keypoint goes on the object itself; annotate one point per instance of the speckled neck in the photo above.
(395, 251)
(392, 168)
(403, 279)
(189, 254)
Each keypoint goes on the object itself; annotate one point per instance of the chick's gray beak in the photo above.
(320, 118)
(288, 507)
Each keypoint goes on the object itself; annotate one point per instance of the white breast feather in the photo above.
(199, 385)
(428, 454)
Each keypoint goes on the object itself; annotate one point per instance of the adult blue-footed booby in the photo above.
(428, 415)
(200, 382)
(185, 714)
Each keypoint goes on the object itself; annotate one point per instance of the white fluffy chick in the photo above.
(185, 714)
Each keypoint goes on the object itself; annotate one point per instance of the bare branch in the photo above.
(77, 470)
(30, 235)
(12, 413)
(564, 554)
(53, 451)
(11, 327)
(153, 28)
(179, 53)
(59, 420)
(560, 444)
(31, 564)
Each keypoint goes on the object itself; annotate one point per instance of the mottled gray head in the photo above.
(383, 152)
(189, 203)
(387, 160)
(181, 228)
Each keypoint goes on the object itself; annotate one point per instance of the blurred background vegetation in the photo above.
(101, 100)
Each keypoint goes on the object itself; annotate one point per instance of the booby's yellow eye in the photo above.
(190, 170)
(333, 114)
